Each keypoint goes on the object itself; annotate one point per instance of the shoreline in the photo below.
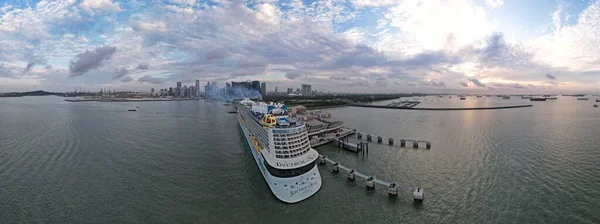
(413, 108)
(127, 100)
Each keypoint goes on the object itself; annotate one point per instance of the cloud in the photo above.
(28, 67)
(494, 3)
(127, 79)
(5, 71)
(91, 6)
(433, 83)
(293, 74)
(150, 80)
(88, 60)
(120, 72)
(549, 76)
(142, 66)
(463, 83)
(476, 82)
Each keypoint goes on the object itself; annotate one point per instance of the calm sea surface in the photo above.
(187, 162)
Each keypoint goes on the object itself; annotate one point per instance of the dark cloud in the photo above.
(127, 79)
(28, 67)
(293, 74)
(498, 53)
(476, 82)
(142, 66)
(120, 72)
(216, 54)
(150, 79)
(463, 83)
(549, 76)
(88, 60)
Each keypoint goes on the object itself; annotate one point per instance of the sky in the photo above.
(473, 46)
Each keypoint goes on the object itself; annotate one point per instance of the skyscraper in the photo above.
(207, 90)
(263, 89)
(197, 89)
(306, 90)
(184, 91)
(152, 91)
(289, 90)
(275, 89)
(256, 86)
(178, 89)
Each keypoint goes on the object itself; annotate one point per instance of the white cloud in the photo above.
(428, 24)
(575, 47)
(494, 3)
(91, 6)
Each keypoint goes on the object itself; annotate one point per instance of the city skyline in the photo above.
(349, 46)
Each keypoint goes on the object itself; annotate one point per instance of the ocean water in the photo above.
(187, 162)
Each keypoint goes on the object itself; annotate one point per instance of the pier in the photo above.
(404, 104)
(415, 143)
(371, 181)
(351, 146)
(421, 108)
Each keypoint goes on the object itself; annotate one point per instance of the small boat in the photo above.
(538, 99)
(132, 110)
(506, 97)
(463, 98)
(582, 98)
(595, 105)
(479, 96)
(597, 100)
(551, 98)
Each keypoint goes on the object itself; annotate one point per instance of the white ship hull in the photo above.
(288, 190)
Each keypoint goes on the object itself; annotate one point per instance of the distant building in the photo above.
(152, 91)
(263, 89)
(256, 86)
(306, 90)
(275, 89)
(289, 90)
(298, 90)
(184, 91)
(170, 91)
(178, 90)
(192, 91)
(197, 89)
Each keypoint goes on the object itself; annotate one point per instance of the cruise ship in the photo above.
(281, 149)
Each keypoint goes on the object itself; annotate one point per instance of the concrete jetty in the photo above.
(367, 178)
(415, 143)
